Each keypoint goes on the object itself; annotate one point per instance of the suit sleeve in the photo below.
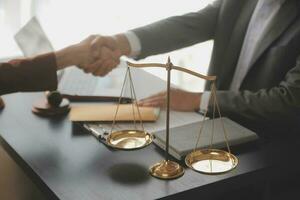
(178, 31)
(268, 106)
(27, 75)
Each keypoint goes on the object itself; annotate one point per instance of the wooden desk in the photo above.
(66, 163)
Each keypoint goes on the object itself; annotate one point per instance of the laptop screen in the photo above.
(32, 40)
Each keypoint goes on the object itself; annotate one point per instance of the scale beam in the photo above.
(208, 78)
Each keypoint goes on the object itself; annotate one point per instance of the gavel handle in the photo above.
(80, 98)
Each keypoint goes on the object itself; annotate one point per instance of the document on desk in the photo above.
(177, 119)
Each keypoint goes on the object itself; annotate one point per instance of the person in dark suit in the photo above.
(39, 73)
(256, 58)
(256, 45)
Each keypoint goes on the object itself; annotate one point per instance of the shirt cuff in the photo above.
(134, 43)
(204, 101)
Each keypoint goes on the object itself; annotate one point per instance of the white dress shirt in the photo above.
(261, 18)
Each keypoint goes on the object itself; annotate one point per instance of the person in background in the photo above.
(256, 58)
(256, 46)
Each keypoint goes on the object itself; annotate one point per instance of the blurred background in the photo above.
(68, 21)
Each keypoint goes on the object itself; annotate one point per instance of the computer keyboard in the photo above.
(76, 82)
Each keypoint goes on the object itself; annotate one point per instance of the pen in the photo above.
(100, 135)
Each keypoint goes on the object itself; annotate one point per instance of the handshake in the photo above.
(96, 54)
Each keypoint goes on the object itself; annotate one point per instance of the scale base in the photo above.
(166, 169)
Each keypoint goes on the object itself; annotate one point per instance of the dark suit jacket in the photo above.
(31, 74)
(269, 97)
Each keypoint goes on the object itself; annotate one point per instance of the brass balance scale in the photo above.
(207, 161)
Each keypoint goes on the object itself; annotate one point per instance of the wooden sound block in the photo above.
(43, 104)
(43, 108)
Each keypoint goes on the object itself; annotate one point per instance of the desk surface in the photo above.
(67, 164)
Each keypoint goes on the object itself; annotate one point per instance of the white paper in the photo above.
(177, 119)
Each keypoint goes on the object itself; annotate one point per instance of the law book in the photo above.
(183, 139)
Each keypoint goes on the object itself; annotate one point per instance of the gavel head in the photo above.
(54, 98)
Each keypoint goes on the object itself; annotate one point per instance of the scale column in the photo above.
(168, 68)
(167, 169)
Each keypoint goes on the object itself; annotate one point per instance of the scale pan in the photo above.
(211, 161)
(129, 139)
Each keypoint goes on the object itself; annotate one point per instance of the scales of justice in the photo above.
(207, 161)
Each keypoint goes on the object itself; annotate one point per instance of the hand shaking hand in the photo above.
(96, 54)
(105, 55)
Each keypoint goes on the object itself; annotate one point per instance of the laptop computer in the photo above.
(72, 82)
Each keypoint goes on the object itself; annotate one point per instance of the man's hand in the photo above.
(179, 100)
(110, 49)
(97, 59)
